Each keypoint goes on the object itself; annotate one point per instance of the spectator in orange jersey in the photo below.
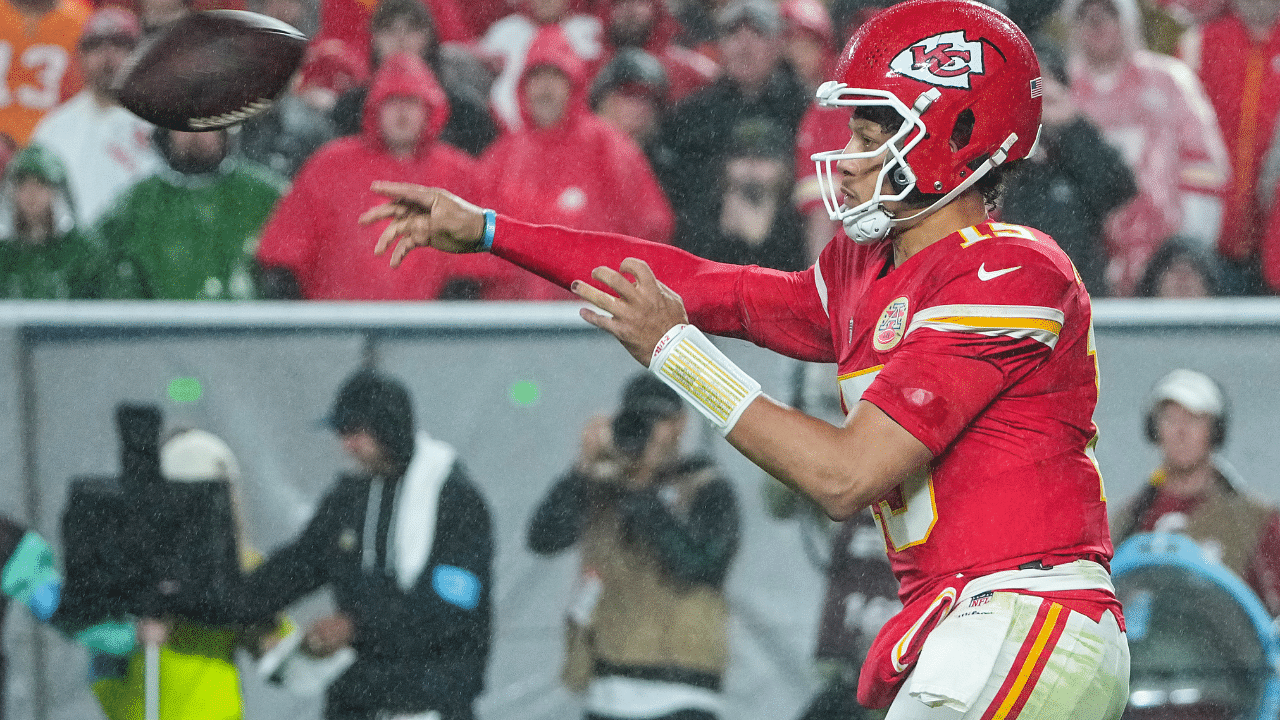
(38, 39)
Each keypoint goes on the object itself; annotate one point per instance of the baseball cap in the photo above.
(111, 22)
(762, 15)
(1192, 390)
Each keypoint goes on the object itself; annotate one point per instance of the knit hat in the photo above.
(37, 162)
(378, 405)
(761, 15)
(631, 70)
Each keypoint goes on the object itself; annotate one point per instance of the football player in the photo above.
(966, 366)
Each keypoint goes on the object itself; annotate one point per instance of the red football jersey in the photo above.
(981, 346)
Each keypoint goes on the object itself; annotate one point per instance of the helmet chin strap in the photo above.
(869, 226)
(873, 224)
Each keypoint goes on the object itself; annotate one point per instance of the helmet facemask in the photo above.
(870, 221)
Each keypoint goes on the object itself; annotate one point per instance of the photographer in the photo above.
(647, 629)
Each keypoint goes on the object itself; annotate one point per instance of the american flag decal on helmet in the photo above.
(1037, 88)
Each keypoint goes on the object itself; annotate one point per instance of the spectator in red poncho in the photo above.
(312, 246)
(569, 167)
(1238, 59)
(506, 45)
(648, 25)
(1152, 108)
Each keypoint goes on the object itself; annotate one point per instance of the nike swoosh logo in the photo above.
(985, 275)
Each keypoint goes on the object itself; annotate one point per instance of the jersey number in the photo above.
(972, 235)
(47, 62)
(908, 514)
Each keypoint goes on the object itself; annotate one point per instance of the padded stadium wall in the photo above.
(509, 385)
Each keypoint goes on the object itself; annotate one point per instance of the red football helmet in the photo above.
(940, 64)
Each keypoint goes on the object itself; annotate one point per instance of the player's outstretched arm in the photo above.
(843, 469)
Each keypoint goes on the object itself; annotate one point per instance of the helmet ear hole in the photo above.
(963, 130)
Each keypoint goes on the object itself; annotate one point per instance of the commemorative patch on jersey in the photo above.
(947, 60)
(891, 326)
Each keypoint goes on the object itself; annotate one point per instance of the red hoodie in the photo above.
(580, 173)
(314, 232)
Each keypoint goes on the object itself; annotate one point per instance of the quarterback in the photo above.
(966, 368)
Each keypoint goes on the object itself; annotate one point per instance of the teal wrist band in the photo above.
(490, 224)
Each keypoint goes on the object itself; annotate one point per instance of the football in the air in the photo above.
(210, 70)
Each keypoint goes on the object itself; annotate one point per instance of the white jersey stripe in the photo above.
(1041, 324)
(821, 286)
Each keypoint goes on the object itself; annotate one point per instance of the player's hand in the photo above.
(643, 311)
(328, 635)
(424, 217)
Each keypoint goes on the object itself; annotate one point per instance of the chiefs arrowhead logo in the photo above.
(945, 60)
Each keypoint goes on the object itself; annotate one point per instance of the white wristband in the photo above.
(687, 361)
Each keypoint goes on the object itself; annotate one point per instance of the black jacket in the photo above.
(1070, 194)
(415, 650)
(698, 130)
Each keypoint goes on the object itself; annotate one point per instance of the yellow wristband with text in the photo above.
(705, 377)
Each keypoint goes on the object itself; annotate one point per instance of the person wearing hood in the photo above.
(508, 45)
(312, 247)
(409, 26)
(1197, 493)
(406, 545)
(190, 228)
(43, 255)
(1153, 109)
(575, 170)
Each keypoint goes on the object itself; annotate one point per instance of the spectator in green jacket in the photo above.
(191, 228)
(43, 255)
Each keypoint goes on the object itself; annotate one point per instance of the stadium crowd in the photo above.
(1157, 169)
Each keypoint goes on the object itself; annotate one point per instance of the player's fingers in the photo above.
(604, 322)
(407, 242)
(593, 295)
(410, 192)
(614, 279)
(381, 212)
(415, 232)
(639, 269)
(387, 237)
